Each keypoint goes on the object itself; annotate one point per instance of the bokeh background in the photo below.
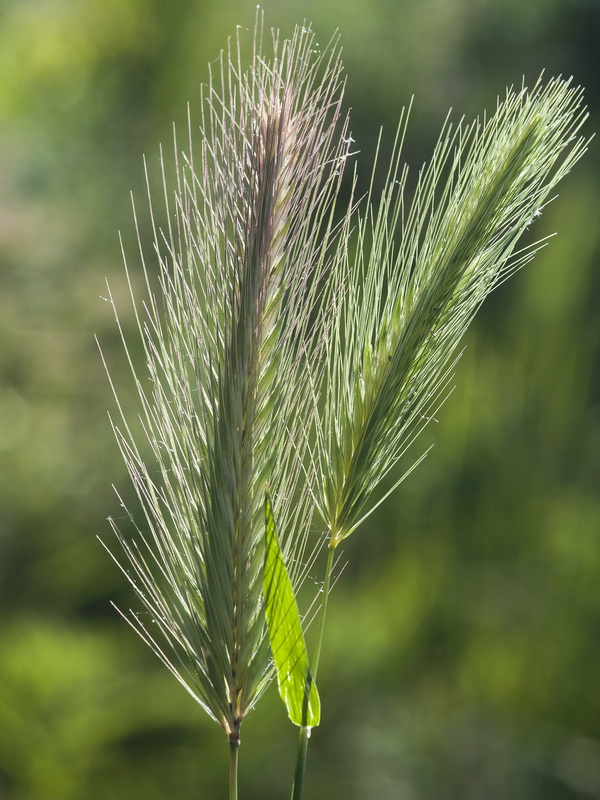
(463, 650)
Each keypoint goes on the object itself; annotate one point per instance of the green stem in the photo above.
(305, 732)
(233, 769)
(321, 630)
(300, 764)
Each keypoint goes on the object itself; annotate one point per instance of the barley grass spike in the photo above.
(420, 270)
(230, 323)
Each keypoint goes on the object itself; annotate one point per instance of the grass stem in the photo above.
(305, 732)
(300, 763)
(233, 769)
(323, 615)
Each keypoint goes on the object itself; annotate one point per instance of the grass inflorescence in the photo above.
(420, 272)
(228, 334)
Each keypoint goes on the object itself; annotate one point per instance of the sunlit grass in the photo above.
(295, 344)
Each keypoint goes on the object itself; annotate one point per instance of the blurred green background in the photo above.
(463, 649)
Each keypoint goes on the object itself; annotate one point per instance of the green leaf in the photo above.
(296, 686)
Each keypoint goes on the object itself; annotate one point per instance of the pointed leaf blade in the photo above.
(296, 686)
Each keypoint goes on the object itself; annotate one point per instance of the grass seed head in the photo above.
(229, 325)
(421, 270)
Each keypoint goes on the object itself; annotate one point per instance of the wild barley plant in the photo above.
(292, 344)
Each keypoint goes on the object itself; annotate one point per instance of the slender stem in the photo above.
(321, 629)
(233, 769)
(300, 764)
(304, 731)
